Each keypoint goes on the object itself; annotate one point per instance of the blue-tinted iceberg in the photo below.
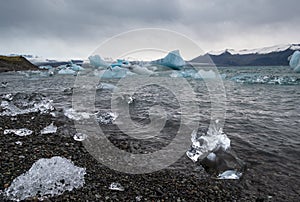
(295, 61)
(172, 60)
(119, 63)
(97, 61)
(76, 67)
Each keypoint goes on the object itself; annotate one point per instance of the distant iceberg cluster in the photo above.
(119, 68)
(295, 61)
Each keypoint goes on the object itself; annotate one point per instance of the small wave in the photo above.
(266, 79)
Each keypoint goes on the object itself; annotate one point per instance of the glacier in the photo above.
(172, 60)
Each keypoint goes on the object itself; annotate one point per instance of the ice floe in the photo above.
(116, 186)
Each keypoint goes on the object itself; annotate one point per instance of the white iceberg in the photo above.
(295, 61)
(172, 60)
(140, 70)
(79, 137)
(116, 72)
(67, 71)
(46, 177)
(97, 61)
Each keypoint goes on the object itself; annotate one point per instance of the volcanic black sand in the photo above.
(257, 183)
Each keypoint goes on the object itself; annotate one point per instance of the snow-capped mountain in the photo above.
(265, 50)
(268, 56)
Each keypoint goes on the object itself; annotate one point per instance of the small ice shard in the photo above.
(230, 175)
(49, 129)
(295, 61)
(105, 86)
(172, 60)
(4, 84)
(130, 100)
(19, 143)
(79, 137)
(97, 61)
(46, 177)
(106, 117)
(72, 114)
(212, 156)
(116, 186)
(67, 71)
(19, 132)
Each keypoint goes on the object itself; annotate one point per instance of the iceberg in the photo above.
(97, 61)
(172, 60)
(74, 115)
(76, 67)
(295, 61)
(106, 117)
(116, 72)
(67, 71)
(105, 86)
(140, 70)
(46, 177)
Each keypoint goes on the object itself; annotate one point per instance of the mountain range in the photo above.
(268, 56)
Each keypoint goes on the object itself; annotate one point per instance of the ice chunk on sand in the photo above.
(212, 150)
(106, 86)
(172, 60)
(207, 143)
(116, 186)
(96, 61)
(295, 61)
(18, 132)
(21, 103)
(46, 177)
(79, 137)
(72, 114)
(230, 175)
(106, 117)
(49, 129)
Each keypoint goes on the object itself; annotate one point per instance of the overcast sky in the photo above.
(75, 28)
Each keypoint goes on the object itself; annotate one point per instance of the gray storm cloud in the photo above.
(73, 28)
